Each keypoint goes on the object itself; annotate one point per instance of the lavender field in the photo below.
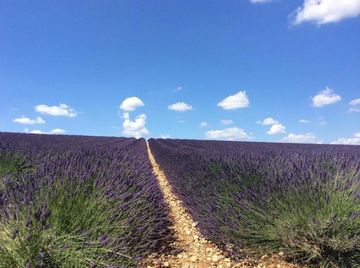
(262, 198)
(80, 201)
(76, 201)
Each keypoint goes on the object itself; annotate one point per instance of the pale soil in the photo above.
(195, 250)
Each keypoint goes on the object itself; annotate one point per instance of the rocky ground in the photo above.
(193, 249)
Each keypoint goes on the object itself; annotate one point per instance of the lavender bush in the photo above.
(262, 198)
(76, 201)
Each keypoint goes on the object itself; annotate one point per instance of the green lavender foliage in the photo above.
(314, 225)
(69, 224)
(13, 169)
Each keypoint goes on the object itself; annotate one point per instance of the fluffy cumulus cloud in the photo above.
(34, 131)
(304, 121)
(327, 11)
(259, 1)
(204, 124)
(268, 121)
(130, 104)
(276, 129)
(239, 100)
(28, 121)
(56, 110)
(58, 131)
(165, 136)
(55, 131)
(355, 105)
(180, 107)
(325, 97)
(301, 138)
(275, 126)
(133, 127)
(355, 102)
(136, 127)
(353, 140)
(233, 133)
(227, 122)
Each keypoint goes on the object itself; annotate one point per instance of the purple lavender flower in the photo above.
(42, 254)
(104, 239)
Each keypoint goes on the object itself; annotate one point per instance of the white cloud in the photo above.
(325, 97)
(268, 121)
(259, 1)
(355, 105)
(179, 88)
(203, 124)
(239, 100)
(233, 133)
(355, 102)
(135, 128)
(130, 104)
(276, 129)
(227, 122)
(301, 138)
(164, 136)
(60, 110)
(28, 121)
(180, 107)
(327, 11)
(37, 131)
(275, 126)
(355, 109)
(304, 121)
(353, 140)
(126, 116)
(58, 131)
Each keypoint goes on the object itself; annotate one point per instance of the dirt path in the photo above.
(196, 251)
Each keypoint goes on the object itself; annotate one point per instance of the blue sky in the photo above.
(67, 66)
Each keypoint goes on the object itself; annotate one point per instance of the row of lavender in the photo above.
(107, 182)
(261, 198)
